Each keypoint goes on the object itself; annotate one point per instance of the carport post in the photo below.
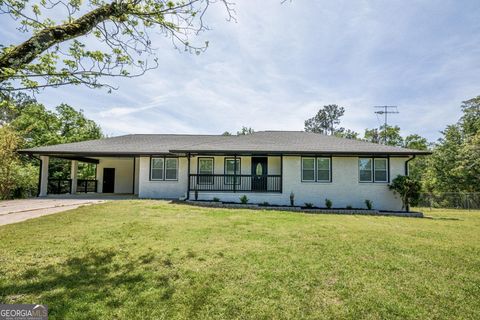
(73, 175)
(43, 176)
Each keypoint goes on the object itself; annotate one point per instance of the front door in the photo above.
(259, 174)
(108, 180)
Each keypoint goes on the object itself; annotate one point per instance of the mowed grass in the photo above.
(155, 260)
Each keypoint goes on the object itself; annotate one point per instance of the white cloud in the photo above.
(279, 63)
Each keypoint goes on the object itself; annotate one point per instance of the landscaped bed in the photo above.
(309, 209)
(156, 260)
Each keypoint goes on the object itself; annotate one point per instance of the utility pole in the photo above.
(386, 110)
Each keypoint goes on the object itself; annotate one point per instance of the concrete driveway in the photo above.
(12, 211)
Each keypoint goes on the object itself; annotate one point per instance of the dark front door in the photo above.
(259, 173)
(108, 180)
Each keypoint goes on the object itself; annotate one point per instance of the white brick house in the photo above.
(266, 166)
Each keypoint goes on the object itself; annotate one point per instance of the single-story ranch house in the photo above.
(266, 166)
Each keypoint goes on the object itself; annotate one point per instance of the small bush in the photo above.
(328, 203)
(265, 203)
(349, 206)
(215, 199)
(309, 205)
(369, 204)
(292, 198)
(244, 199)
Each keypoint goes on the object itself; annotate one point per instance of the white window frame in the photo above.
(229, 180)
(164, 168)
(315, 169)
(176, 169)
(206, 180)
(152, 168)
(329, 169)
(373, 169)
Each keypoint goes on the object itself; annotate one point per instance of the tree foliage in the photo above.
(326, 120)
(408, 189)
(76, 42)
(33, 125)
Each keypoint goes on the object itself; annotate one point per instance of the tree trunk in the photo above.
(26, 52)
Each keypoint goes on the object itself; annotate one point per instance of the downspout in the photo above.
(406, 165)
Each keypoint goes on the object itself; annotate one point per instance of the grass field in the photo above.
(154, 260)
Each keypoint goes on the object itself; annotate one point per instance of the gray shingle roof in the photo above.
(274, 142)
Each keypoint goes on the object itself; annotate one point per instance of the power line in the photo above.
(386, 111)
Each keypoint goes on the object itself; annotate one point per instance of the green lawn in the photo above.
(154, 260)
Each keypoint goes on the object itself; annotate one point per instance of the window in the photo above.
(308, 169)
(162, 168)
(323, 169)
(232, 166)
(373, 169)
(365, 167)
(316, 169)
(380, 173)
(205, 167)
(171, 165)
(156, 165)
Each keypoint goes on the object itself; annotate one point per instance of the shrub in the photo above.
(196, 195)
(215, 199)
(265, 203)
(328, 203)
(309, 205)
(292, 198)
(244, 199)
(369, 204)
(408, 189)
(349, 206)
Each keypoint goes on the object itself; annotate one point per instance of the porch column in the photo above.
(73, 175)
(43, 176)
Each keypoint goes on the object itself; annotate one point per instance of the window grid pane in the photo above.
(380, 172)
(157, 169)
(365, 167)
(171, 169)
(308, 169)
(323, 169)
(230, 169)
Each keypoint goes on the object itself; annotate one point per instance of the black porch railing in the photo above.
(235, 183)
(59, 186)
(62, 186)
(85, 186)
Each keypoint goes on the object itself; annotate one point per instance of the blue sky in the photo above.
(279, 63)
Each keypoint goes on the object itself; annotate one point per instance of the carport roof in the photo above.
(262, 142)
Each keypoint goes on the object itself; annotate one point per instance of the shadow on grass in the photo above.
(78, 284)
(442, 218)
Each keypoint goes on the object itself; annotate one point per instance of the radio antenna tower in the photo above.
(386, 110)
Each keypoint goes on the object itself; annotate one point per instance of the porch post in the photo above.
(235, 173)
(188, 177)
(281, 173)
(43, 176)
(73, 176)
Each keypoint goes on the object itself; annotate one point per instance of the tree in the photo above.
(408, 190)
(326, 120)
(390, 135)
(244, 131)
(415, 141)
(96, 39)
(346, 134)
(226, 133)
(15, 178)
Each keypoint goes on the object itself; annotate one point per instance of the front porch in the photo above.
(258, 174)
